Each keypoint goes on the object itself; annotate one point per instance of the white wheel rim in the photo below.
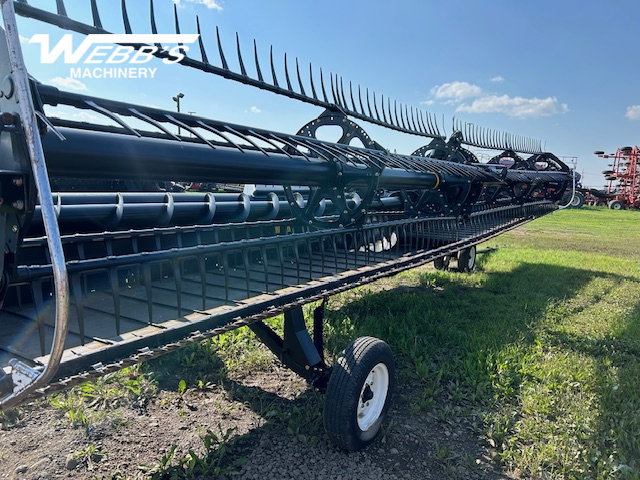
(472, 258)
(373, 396)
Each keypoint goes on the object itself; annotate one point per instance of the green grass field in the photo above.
(537, 353)
(541, 346)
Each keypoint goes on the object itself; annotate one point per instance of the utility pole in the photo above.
(177, 100)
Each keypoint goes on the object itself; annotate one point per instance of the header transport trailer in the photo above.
(106, 265)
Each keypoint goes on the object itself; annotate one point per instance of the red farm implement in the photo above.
(622, 176)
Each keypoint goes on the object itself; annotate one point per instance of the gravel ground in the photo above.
(276, 423)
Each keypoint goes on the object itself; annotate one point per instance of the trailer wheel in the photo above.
(577, 200)
(442, 263)
(359, 393)
(615, 205)
(467, 259)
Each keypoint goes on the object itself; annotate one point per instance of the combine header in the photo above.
(623, 178)
(105, 266)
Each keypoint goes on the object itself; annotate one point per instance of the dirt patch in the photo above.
(276, 426)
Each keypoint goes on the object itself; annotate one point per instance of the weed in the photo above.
(93, 401)
(213, 463)
(89, 455)
(9, 418)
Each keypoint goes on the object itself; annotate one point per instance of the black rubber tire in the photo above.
(442, 263)
(577, 200)
(626, 149)
(608, 172)
(599, 152)
(467, 260)
(616, 205)
(348, 385)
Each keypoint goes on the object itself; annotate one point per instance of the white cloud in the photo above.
(212, 4)
(633, 112)
(68, 82)
(255, 109)
(23, 39)
(461, 93)
(456, 91)
(77, 115)
(515, 106)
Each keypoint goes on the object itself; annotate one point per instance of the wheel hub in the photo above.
(373, 396)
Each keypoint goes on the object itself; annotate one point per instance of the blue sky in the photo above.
(565, 72)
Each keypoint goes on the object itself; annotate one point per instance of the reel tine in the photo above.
(406, 116)
(384, 115)
(203, 53)
(243, 71)
(153, 122)
(177, 23)
(256, 61)
(395, 108)
(299, 78)
(225, 65)
(324, 92)
(273, 70)
(413, 121)
(430, 124)
(353, 103)
(375, 107)
(344, 99)
(95, 14)
(62, 11)
(336, 101)
(390, 114)
(313, 87)
(360, 100)
(108, 113)
(421, 121)
(369, 104)
(125, 18)
(152, 20)
(286, 73)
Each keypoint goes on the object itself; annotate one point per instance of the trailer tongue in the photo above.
(109, 260)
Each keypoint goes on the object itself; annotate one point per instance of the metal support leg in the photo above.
(297, 351)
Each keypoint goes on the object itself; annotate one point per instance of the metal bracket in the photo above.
(296, 350)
